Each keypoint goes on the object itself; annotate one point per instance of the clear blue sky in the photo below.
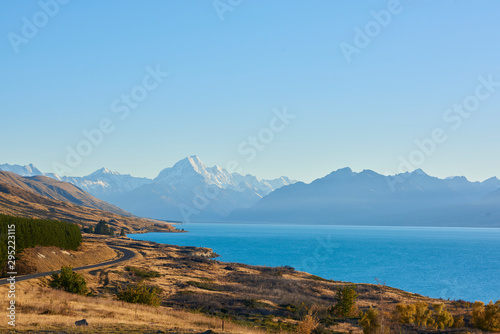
(226, 77)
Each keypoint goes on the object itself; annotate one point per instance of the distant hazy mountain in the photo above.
(492, 198)
(187, 191)
(368, 198)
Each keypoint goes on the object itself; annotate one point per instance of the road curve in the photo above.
(127, 255)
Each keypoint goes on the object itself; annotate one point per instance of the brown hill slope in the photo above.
(19, 202)
(57, 190)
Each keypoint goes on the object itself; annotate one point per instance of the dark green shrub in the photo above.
(69, 281)
(141, 294)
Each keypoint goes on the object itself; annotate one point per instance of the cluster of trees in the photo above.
(69, 281)
(103, 228)
(434, 316)
(420, 314)
(37, 232)
(486, 317)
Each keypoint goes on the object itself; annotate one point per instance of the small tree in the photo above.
(423, 316)
(346, 302)
(443, 319)
(122, 233)
(69, 281)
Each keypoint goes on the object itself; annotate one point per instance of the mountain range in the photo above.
(191, 191)
(345, 197)
(187, 191)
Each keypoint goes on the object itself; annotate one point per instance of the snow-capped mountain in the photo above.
(28, 170)
(191, 191)
(191, 171)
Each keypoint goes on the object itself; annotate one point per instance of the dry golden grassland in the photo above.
(41, 308)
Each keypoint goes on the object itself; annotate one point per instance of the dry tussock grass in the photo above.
(40, 307)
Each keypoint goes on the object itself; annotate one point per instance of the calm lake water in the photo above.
(449, 263)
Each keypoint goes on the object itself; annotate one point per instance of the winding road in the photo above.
(127, 255)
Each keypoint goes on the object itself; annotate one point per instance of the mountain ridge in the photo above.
(192, 191)
(368, 198)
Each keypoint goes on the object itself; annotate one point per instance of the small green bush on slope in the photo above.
(69, 281)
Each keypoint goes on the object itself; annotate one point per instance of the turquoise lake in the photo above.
(449, 263)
